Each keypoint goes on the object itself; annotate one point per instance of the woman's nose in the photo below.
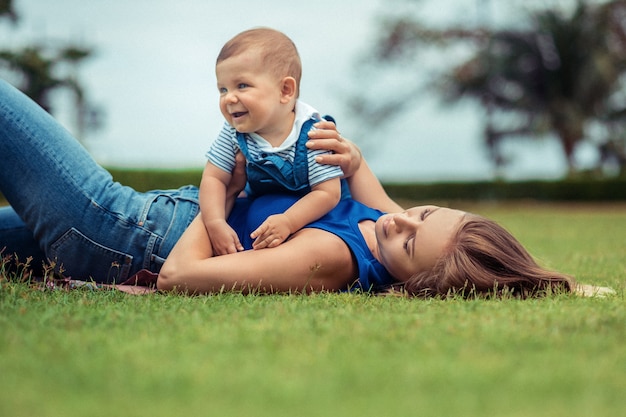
(403, 221)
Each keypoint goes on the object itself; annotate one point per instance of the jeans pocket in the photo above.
(79, 257)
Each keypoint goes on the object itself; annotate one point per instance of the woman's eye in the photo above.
(407, 245)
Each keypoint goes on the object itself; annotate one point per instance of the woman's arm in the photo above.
(364, 185)
(367, 189)
(312, 260)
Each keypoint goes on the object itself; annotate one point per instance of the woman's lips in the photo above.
(386, 222)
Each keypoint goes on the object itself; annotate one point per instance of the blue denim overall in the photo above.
(272, 174)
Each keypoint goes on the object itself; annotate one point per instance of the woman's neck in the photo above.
(367, 228)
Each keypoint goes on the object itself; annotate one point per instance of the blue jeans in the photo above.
(67, 209)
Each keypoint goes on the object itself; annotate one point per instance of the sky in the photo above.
(153, 75)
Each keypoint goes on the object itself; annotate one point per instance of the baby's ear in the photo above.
(289, 89)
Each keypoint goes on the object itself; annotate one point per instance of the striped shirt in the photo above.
(223, 150)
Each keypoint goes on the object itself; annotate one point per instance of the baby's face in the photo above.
(250, 97)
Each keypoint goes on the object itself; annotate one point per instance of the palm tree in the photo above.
(556, 76)
(7, 10)
(36, 70)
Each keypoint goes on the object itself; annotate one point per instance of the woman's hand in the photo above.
(364, 185)
(345, 154)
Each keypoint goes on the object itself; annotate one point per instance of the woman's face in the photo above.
(411, 242)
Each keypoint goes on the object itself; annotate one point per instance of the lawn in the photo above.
(104, 353)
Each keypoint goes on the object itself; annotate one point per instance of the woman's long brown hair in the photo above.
(483, 258)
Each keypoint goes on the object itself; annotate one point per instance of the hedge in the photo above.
(563, 190)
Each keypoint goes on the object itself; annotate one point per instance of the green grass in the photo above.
(103, 353)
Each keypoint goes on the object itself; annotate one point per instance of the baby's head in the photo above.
(278, 53)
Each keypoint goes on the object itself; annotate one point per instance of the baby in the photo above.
(258, 78)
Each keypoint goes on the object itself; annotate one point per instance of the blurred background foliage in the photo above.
(44, 68)
(558, 70)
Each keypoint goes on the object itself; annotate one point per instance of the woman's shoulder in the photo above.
(329, 262)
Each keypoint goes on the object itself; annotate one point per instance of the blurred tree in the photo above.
(558, 74)
(7, 10)
(42, 69)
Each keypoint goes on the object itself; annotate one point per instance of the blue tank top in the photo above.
(341, 221)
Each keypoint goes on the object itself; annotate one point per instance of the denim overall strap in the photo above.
(273, 174)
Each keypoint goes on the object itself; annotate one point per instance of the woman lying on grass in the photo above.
(66, 208)
(426, 250)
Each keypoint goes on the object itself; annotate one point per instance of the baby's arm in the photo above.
(213, 189)
(322, 198)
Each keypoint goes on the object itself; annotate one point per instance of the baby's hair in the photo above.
(278, 53)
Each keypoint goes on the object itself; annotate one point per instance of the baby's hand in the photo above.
(272, 232)
(223, 238)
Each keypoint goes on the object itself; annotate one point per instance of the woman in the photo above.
(424, 251)
(66, 209)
